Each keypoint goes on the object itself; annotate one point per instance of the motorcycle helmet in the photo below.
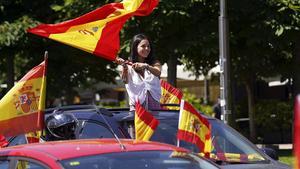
(62, 126)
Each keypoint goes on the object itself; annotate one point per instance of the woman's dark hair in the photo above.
(134, 54)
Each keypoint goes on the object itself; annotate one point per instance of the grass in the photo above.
(286, 156)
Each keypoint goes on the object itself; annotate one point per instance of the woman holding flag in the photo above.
(141, 75)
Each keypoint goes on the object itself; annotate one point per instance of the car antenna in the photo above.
(110, 128)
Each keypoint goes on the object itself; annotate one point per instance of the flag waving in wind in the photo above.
(97, 32)
(21, 109)
(194, 128)
(144, 122)
(170, 94)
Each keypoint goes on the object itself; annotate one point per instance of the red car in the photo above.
(100, 153)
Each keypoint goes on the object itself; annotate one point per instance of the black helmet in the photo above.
(62, 126)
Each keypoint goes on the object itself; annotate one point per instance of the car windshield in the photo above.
(227, 144)
(139, 160)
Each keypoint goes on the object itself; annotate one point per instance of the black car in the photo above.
(93, 122)
(230, 149)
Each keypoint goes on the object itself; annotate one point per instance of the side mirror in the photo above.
(270, 152)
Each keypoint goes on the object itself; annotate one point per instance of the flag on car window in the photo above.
(193, 127)
(21, 109)
(145, 123)
(34, 136)
(297, 132)
(97, 32)
(170, 95)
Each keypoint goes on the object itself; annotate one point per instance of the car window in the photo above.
(4, 164)
(93, 129)
(20, 139)
(22, 164)
(166, 133)
(139, 160)
(231, 145)
(227, 144)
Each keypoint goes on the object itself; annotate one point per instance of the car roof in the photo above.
(119, 113)
(60, 150)
(114, 111)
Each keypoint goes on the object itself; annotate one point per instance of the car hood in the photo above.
(272, 165)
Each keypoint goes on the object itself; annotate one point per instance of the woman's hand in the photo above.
(139, 66)
(119, 61)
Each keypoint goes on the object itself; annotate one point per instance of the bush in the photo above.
(274, 120)
(197, 103)
(274, 115)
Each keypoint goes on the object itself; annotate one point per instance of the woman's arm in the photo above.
(124, 71)
(155, 68)
(124, 74)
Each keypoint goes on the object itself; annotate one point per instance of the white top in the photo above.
(137, 86)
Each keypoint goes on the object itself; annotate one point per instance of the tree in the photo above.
(286, 23)
(13, 24)
(257, 52)
(182, 31)
(27, 50)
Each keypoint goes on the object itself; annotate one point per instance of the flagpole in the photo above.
(224, 62)
(46, 55)
(179, 119)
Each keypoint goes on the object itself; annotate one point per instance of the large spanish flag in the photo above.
(194, 128)
(145, 123)
(97, 32)
(170, 95)
(21, 109)
(297, 132)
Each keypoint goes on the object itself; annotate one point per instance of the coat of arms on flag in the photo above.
(194, 128)
(97, 32)
(27, 98)
(22, 108)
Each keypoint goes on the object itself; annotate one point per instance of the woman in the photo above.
(141, 78)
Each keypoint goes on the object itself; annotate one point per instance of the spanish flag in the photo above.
(297, 132)
(194, 128)
(170, 95)
(3, 141)
(144, 122)
(21, 109)
(33, 137)
(97, 32)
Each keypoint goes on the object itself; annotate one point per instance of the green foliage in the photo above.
(185, 31)
(262, 38)
(286, 156)
(67, 67)
(11, 34)
(291, 4)
(69, 9)
(274, 115)
(197, 103)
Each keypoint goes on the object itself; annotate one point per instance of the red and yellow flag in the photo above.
(3, 141)
(297, 132)
(144, 122)
(97, 32)
(21, 109)
(194, 128)
(33, 137)
(170, 95)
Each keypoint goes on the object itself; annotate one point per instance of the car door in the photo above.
(21, 163)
